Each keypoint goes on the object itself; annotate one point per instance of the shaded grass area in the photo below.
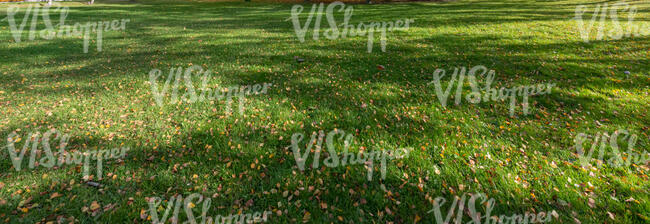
(103, 99)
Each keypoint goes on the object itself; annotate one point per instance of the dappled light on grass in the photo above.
(244, 161)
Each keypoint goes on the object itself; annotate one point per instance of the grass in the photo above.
(525, 162)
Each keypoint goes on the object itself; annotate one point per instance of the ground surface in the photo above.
(525, 162)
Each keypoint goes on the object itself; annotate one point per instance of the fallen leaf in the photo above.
(306, 217)
(55, 195)
(576, 221)
(143, 214)
(109, 207)
(94, 206)
(611, 216)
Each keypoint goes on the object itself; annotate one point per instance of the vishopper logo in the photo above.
(362, 157)
(476, 217)
(49, 159)
(601, 141)
(189, 94)
(188, 205)
(617, 31)
(345, 29)
(61, 29)
(489, 93)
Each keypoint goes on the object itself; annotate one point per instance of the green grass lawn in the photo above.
(244, 162)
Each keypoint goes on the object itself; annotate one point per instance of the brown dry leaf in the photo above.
(94, 206)
(611, 216)
(55, 195)
(591, 202)
(554, 214)
(577, 221)
(323, 205)
(109, 207)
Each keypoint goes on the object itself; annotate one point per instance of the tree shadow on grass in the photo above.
(337, 105)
